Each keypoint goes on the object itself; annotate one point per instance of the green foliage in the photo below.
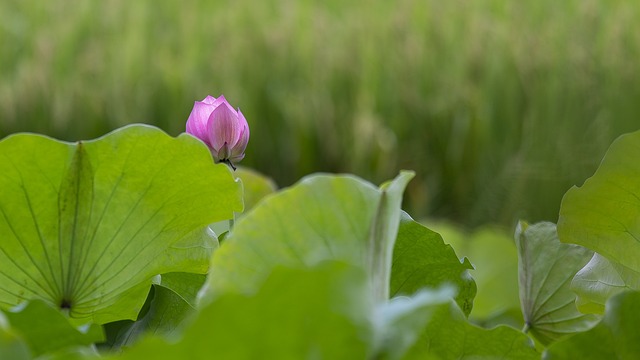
(163, 315)
(399, 322)
(328, 268)
(86, 226)
(322, 217)
(449, 336)
(317, 312)
(422, 259)
(494, 257)
(546, 267)
(599, 280)
(45, 329)
(483, 99)
(616, 337)
(255, 186)
(602, 214)
(11, 345)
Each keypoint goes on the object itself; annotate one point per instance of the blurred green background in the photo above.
(499, 106)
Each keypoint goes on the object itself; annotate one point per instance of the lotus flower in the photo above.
(223, 129)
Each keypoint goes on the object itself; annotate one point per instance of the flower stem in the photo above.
(228, 162)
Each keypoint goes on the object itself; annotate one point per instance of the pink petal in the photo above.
(223, 127)
(209, 100)
(197, 121)
(220, 100)
(241, 145)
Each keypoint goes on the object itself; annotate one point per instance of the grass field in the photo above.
(499, 106)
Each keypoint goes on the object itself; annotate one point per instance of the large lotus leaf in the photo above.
(448, 335)
(599, 280)
(45, 329)
(422, 259)
(615, 337)
(313, 313)
(494, 257)
(85, 226)
(603, 214)
(546, 267)
(321, 218)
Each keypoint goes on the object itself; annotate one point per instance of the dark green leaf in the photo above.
(422, 259)
(185, 285)
(165, 317)
(448, 335)
(494, 257)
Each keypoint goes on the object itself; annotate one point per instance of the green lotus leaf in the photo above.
(321, 218)
(599, 280)
(85, 226)
(422, 259)
(320, 312)
(448, 335)
(615, 337)
(546, 267)
(494, 257)
(603, 214)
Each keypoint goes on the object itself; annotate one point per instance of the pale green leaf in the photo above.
(321, 218)
(615, 337)
(86, 226)
(603, 214)
(546, 267)
(599, 280)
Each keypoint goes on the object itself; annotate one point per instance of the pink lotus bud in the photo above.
(223, 129)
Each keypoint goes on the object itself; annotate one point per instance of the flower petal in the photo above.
(220, 100)
(223, 127)
(197, 121)
(243, 139)
(209, 100)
